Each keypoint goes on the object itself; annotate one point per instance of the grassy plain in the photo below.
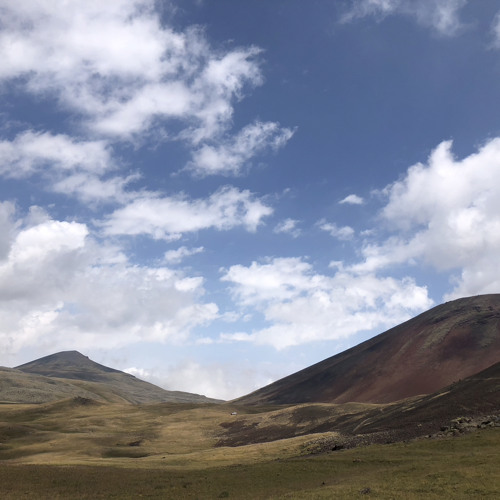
(80, 449)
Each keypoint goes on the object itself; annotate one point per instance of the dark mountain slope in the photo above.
(99, 381)
(474, 396)
(449, 342)
(69, 364)
(457, 408)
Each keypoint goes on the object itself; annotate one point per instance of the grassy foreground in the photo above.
(82, 449)
(456, 468)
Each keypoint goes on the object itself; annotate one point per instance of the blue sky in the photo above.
(214, 194)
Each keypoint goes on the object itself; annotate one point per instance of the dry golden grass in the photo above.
(455, 468)
(81, 449)
(184, 435)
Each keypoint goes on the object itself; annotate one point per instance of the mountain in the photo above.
(19, 387)
(71, 365)
(71, 374)
(475, 396)
(460, 407)
(421, 356)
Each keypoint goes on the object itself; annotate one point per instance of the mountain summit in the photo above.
(67, 373)
(69, 364)
(421, 356)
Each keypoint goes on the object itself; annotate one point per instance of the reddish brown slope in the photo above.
(448, 343)
(472, 401)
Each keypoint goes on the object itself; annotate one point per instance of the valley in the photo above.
(71, 428)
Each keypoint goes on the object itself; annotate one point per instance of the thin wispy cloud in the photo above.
(233, 156)
(288, 226)
(178, 255)
(495, 31)
(441, 15)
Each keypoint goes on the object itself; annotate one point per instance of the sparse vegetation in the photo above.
(82, 449)
(458, 468)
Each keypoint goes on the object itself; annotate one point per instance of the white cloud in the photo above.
(67, 165)
(124, 74)
(7, 228)
(138, 372)
(495, 31)
(216, 380)
(43, 241)
(170, 217)
(441, 15)
(32, 152)
(303, 306)
(179, 254)
(352, 199)
(445, 213)
(120, 69)
(232, 156)
(288, 226)
(91, 188)
(59, 287)
(341, 233)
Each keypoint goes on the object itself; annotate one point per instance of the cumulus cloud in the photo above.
(233, 155)
(341, 233)
(120, 68)
(169, 217)
(115, 74)
(90, 188)
(31, 152)
(352, 199)
(124, 74)
(441, 15)
(7, 227)
(302, 305)
(445, 213)
(67, 165)
(58, 286)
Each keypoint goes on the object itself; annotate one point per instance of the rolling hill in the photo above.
(421, 356)
(71, 374)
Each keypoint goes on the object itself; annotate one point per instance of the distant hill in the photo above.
(450, 342)
(71, 374)
(19, 387)
(69, 364)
